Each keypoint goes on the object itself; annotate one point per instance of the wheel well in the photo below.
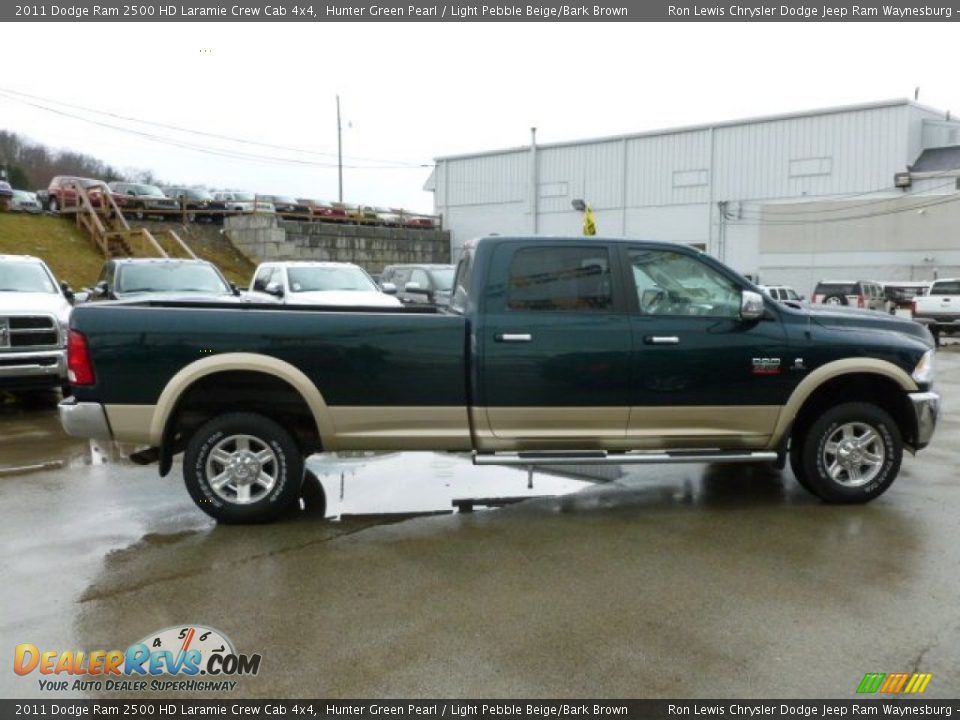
(239, 391)
(859, 387)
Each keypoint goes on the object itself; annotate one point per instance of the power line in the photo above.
(222, 152)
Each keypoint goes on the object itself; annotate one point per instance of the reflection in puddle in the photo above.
(31, 438)
(422, 482)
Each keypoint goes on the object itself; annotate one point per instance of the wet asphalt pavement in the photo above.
(671, 581)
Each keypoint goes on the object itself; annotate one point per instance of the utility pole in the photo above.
(339, 153)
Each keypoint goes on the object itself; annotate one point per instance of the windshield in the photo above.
(282, 199)
(171, 277)
(242, 196)
(443, 279)
(25, 277)
(145, 190)
(308, 279)
(24, 195)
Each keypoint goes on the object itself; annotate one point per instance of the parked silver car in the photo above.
(23, 201)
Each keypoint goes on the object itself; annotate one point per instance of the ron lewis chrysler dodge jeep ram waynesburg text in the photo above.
(552, 350)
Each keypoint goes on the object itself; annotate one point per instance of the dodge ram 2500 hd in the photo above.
(553, 350)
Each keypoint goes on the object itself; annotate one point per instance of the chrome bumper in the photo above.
(926, 408)
(84, 420)
(31, 364)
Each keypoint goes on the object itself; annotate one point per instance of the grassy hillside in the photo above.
(72, 257)
(58, 242)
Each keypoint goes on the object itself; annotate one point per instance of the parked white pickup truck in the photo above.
(34, 315)
(939, 309)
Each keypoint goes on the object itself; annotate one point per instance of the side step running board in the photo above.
(601, 457)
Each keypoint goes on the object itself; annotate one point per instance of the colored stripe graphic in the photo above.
(894, 683)
(871, 682)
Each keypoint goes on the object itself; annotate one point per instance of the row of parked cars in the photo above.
(197, 204)
(865, 294)
(35, 308)
(934, 303)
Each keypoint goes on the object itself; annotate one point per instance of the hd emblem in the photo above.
(766, 366)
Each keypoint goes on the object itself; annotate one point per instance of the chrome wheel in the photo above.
(832, 301)
(854, 454)
(242, 469)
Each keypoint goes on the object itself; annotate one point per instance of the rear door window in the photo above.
(951, 287)
(560, 279)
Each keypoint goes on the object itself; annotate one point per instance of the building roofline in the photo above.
(705, 126)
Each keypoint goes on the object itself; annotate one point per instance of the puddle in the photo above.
(32, 440)
(423, 482)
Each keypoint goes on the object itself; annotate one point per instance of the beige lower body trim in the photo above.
(624, 428)
(399, 428)
(131, 423)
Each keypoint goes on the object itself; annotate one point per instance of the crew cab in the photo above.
(552, 350)
(34, 313)
(940, 307)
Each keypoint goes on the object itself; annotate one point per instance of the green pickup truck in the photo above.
(553, 351)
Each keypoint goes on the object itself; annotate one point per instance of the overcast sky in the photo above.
(411, 92)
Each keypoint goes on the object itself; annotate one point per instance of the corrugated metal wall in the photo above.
(667, 185)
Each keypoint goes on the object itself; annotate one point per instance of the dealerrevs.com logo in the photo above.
(183, 657)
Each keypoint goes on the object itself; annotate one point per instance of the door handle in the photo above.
(661, 340)
(513, 337)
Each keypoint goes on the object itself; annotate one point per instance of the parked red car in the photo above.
(61, 193)
(328, 211)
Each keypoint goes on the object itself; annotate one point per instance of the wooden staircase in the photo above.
(112, 235)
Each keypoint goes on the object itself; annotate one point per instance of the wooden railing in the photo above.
(104, 223)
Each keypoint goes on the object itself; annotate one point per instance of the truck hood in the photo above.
(837, 316)
(26, 303)
(343, 298)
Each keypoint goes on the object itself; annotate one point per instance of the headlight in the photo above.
(926, 369)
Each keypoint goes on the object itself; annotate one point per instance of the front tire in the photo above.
(243, 468)
(851, 454)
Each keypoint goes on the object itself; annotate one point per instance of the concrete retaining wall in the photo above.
(264, 237)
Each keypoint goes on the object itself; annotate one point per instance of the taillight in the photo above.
(860, 301)
(79, 367)
(913, 308)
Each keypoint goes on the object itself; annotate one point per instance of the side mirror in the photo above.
(235, 289)
(389, 288)
(751, 305)
(101, 289)
(275, 289)
(67, 291)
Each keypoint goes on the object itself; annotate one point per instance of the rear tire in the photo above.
(243, 468)
(851, 454)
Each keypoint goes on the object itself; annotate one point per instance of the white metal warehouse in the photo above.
(856, 192)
